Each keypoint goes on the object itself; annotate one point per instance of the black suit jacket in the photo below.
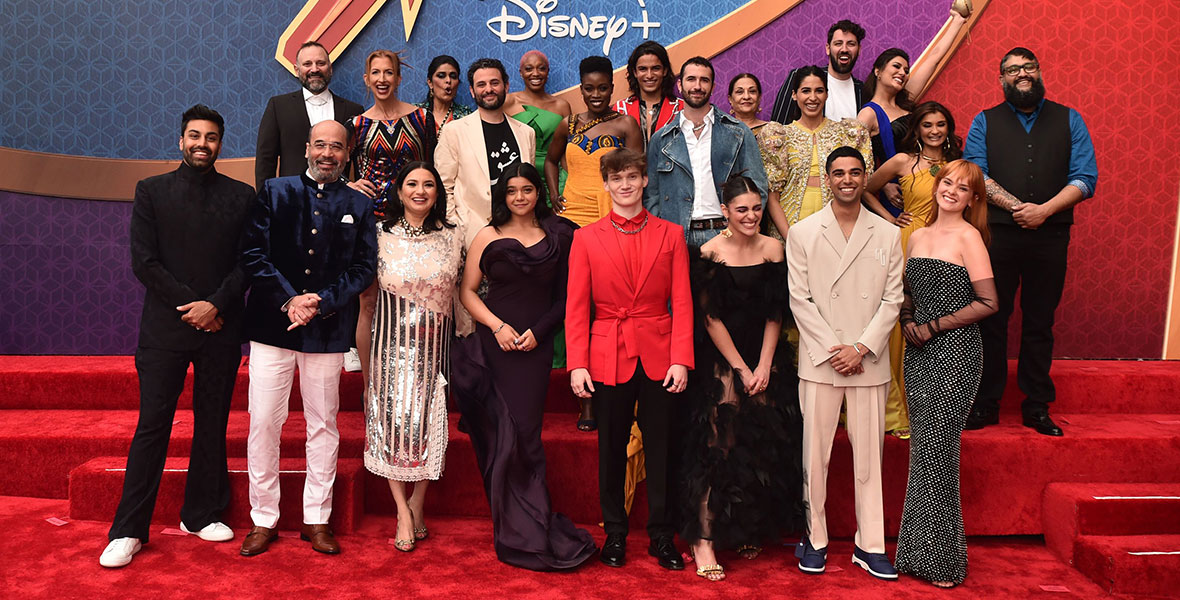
(787, 110)
(282, 134)
(185, 230)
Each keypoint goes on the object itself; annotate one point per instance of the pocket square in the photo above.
(346, 219)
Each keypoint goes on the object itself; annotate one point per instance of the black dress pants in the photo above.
(614, 409)
(1033, 261)
(161, 379)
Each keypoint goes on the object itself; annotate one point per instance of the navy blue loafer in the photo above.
(811, 560)
(877, 565)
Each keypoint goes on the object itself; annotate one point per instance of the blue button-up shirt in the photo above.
(1083, 167)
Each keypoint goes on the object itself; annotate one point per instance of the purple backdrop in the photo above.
(798, 37)
(65, 278)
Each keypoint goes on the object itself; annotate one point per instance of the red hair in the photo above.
(976, 211)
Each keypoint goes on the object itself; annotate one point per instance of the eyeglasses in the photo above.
(322, 145)
(1029, 67)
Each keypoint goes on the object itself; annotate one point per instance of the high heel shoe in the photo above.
(964, 8)
(406, 545)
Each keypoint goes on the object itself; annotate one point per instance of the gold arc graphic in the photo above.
(410, 10)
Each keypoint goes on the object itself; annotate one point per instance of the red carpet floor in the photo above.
(1105, 497)
(47, 561)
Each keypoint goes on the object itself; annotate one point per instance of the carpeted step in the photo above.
(1005, 467)
(95, 488)
(1108, 509)
(1140, 565)
(110, 383)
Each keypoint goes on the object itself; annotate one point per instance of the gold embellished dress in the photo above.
(792, 153)
(406, 402)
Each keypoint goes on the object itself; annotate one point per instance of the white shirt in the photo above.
(841, 99)
(705, 203)
(319, 106)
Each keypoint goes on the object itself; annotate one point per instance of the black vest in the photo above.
(1032, 165)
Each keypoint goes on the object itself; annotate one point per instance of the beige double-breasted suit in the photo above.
(844, 291)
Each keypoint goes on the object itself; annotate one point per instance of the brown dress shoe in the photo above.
(258, 540)
(321, 538)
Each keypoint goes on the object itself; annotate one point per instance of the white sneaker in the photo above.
(352, 361)
(118, 553)
(213, 532)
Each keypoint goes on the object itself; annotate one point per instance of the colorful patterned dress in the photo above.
(383, 147)
(586, 200)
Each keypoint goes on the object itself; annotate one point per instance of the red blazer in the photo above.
(669, 108)
(631, 320)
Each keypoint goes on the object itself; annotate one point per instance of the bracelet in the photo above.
(502, 324)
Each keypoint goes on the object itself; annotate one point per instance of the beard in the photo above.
(325, 175)
(492, 104)
(834, 63)
(199, 164)
(1025, 100)
(688, 99)
(316, 85)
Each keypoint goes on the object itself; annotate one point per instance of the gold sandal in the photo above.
(749, 551)
(404, 545)
(421, 533)
(709, 572)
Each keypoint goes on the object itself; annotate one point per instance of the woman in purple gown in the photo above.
(500, 374)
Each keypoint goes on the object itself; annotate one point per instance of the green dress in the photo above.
(544, 124)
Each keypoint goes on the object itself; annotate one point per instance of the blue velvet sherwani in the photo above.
(301, 239)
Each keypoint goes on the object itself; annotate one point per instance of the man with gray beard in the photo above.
(310, 249)
(1038, 162)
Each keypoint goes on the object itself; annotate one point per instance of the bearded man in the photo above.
(1039, 162)
(309, 249)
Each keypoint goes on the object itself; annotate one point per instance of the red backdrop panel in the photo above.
(1117, 62)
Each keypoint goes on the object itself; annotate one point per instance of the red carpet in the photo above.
(73, 417)
(457, 561)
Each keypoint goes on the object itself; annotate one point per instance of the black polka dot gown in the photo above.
(941, 380)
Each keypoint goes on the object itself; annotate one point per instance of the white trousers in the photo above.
(820, 404)
(272, 371)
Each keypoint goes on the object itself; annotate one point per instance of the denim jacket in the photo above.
(669, 192)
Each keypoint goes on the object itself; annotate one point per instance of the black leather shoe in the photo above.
(980, 418)
(666, 553)
(614, 550)
(1043, 424)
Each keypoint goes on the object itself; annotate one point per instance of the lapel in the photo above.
(673, 145)
(861, 233)
(610, 247)
(475, 143)
(338, 108)
(299, 105)
(723, 149)
(654, 245)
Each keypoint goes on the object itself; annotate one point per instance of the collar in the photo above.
(189, 173)
(310, 182)
(629, 224)
(319, 99)
(1020, 113)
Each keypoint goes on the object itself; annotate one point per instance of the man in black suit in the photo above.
(185, 229)
(282, 134)
(844, 91)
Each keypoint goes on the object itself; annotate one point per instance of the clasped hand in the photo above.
(754, 382)
(1029, 215)
(202, 315)
(847, 360)
(509, 340)
(915, 334)
(302, 309)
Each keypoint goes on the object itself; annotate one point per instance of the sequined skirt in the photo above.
(406, 402)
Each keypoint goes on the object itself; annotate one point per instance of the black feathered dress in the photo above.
(743, 454)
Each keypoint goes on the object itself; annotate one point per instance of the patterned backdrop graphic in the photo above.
(120, 72)
(64, 265)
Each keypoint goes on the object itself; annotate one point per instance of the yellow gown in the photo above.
(917, 192)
